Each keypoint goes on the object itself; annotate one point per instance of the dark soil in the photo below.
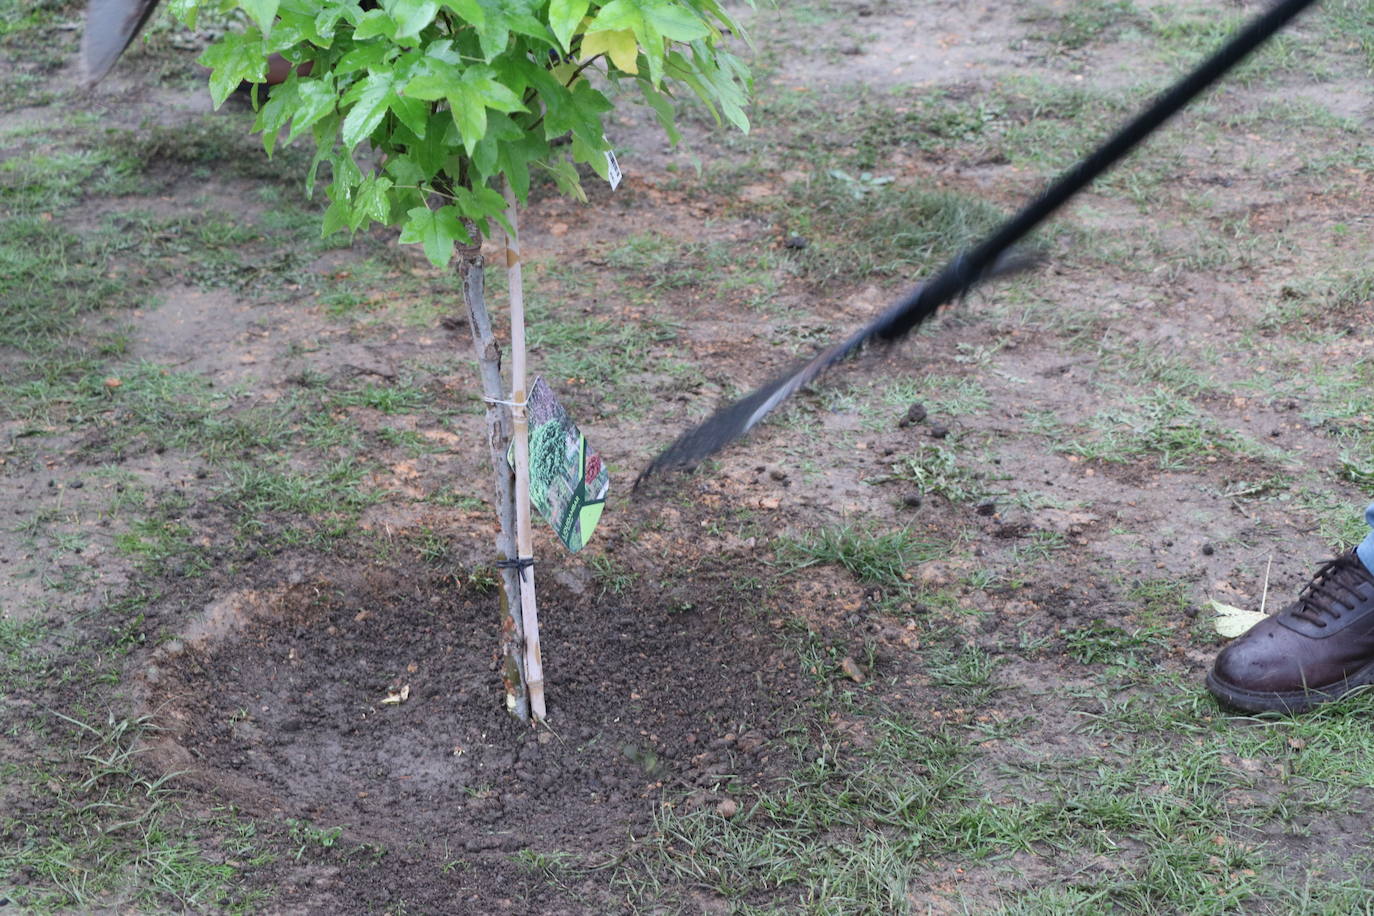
(275, 702)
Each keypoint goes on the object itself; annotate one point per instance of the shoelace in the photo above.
(1333, 590)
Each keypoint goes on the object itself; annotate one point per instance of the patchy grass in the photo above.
(936, 470)
(105, 835)
(863, 228)
(877, 557)
(1160, 425)
(1165, 816)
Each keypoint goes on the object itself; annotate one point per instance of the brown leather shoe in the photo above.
(1313, 651)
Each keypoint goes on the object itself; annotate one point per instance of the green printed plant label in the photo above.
(568, 480)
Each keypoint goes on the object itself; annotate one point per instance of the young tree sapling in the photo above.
(423, 111)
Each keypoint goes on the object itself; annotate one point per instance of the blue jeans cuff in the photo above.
(1365, 550)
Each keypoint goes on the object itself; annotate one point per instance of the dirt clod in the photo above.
(852, 670)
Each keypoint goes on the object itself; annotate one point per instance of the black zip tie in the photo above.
(520, 564)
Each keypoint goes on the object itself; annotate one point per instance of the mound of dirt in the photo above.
(370, 700)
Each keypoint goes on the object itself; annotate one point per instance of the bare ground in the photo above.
(1134, 429)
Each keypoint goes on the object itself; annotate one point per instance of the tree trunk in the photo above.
(470, 270)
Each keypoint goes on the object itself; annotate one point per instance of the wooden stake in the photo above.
(471, 270)
(524, 540)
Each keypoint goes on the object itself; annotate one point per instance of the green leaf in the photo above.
(526, 17)
(645, 24)
(439, 79)
(436, 230)
(316, 99)
(324, 133)
(370, 103)
(411, 16)
(262, 12)
(586, 107)
(493, 93)
(413, 113)
(371, 202)
(235, 58)
(501, 17)
(481, 204)
(513, 159)
(675, 21)
(291, 30)
(363, 57)
(564, 17)
(663, 107)
(715, 77)
(469, 114)
(335, 216)
(493, 32)
(501, 130)
(566, 178)
(404, 170)
(467, 10)
(374, 23)
(326, 22)
(347, 175)
(469, 93)
(618, 14)
(594, 156)
(185, 11)
(431, 151)
(273, 115)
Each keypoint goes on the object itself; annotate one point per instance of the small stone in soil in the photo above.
(852, 670)
(727, 808)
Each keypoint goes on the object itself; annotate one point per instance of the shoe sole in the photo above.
(1289, 701)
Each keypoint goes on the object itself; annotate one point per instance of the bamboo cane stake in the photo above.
(488, 352)
(529, 615)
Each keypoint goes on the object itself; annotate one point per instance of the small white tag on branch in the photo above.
(612, 169)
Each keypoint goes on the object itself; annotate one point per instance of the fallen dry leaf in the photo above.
(396, 697)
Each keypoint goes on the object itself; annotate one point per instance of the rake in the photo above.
(994, 256)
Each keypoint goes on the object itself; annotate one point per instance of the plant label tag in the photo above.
(612, 169)
(568, 479)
